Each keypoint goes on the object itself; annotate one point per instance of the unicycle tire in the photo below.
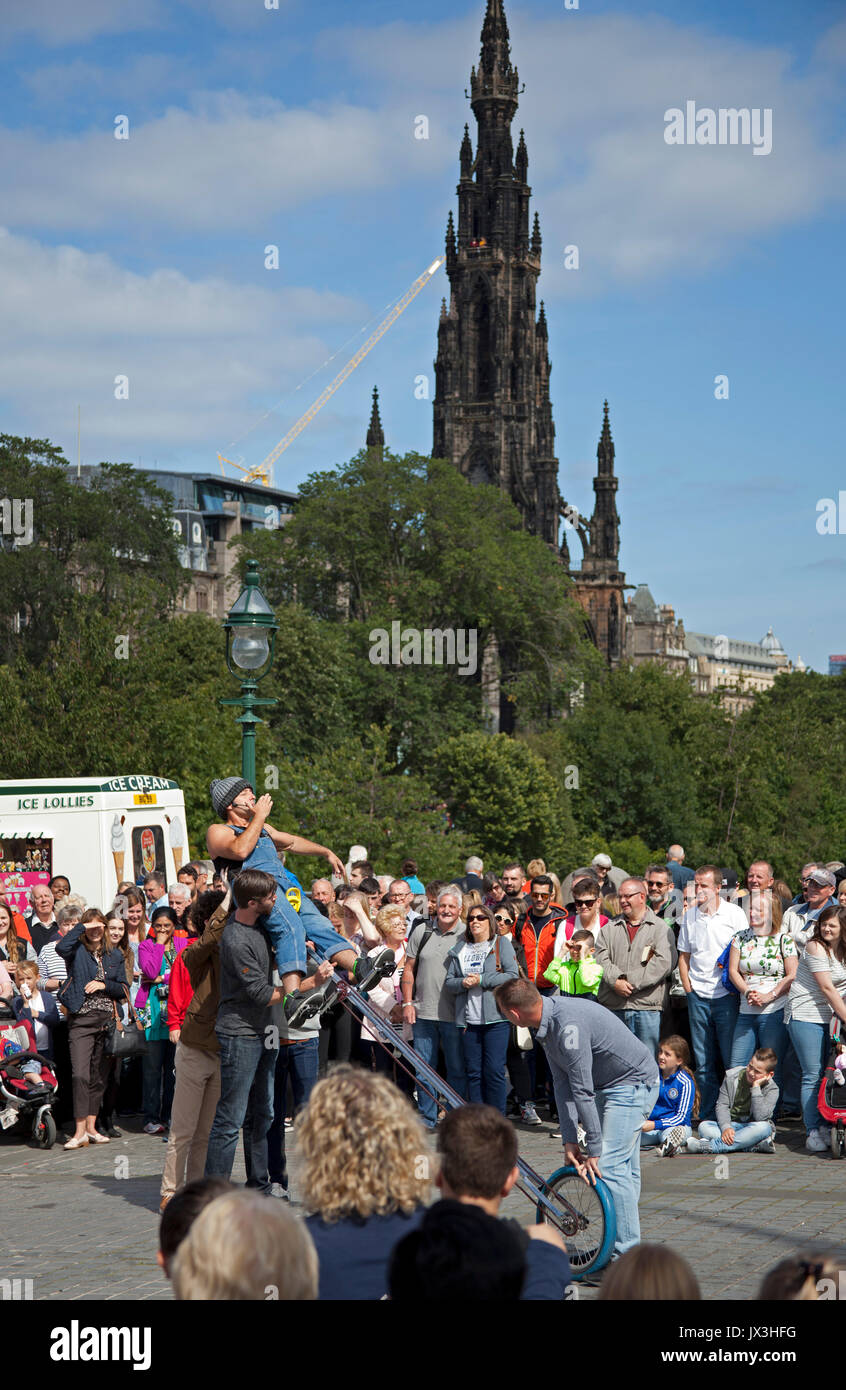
(838, 1136)
(590, 1246)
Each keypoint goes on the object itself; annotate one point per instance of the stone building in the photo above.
(492, 409)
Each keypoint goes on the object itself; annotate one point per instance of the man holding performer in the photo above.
(245, 838)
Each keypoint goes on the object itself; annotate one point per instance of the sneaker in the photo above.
(369, 970)
(150, 1128)
(300, 1006)
(529, 1115)
(696, 1146)
(815, 1143)
(277, 1190)
(672, 1143)
(766, 1146)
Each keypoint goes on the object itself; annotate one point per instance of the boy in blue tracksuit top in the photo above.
(669, 1124)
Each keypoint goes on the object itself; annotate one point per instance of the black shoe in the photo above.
(369, 970)
(300, 1006)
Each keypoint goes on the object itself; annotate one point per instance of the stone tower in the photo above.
(375, 440)
(600, 585)
(492, 413)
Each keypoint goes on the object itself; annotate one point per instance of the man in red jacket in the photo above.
(537, 929)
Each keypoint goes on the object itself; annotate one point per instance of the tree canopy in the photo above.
(392, 756)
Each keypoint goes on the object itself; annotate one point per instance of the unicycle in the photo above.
(587, 1219)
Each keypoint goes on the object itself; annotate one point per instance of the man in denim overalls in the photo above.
(247, 840)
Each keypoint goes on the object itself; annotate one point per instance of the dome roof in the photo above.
(771, 644)
(643, 604)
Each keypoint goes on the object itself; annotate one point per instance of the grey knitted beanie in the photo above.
(224, 791)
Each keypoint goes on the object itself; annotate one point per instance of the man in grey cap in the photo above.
(245, 839)
(818, 886)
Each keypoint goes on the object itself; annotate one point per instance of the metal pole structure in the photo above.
(248, 701)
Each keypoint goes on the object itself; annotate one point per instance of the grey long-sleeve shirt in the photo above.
(762, 1102)
(589, 1049)
(246, 965)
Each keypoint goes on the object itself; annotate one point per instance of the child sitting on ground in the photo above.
(677, 1105)
(745, 1106)
(580, 974)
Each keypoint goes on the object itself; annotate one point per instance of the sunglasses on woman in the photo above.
(501, 917)
(584, 902)
(480, 917)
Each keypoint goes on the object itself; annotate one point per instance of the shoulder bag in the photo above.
(125, 1040)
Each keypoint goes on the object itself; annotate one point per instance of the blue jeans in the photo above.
(811, 1043)
(246, 1066)
(158, 1080)
(752, 1031)
(622, 1111)
(645, 1024)
(746, 1136)
(427, 1034)
(288, 930)
(299, 1061)
(652, 1137)
(712, 1023)
(485, 1046)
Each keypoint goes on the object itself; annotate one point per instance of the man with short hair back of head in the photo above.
(478, 1152)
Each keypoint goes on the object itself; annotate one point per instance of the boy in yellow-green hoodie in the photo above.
(580, 974)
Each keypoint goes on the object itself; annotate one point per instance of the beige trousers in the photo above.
(194, 1103)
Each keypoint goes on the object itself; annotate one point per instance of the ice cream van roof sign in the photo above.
(136, 782)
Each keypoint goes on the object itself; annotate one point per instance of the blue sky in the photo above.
(295, 127)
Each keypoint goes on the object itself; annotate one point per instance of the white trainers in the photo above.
(766, 1146)
(696, 1146)
(815, 1143)
(672, 1143)
(529, 1115)
(151, 1128)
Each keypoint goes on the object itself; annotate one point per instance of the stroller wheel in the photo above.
(838, 1147)
(44, 1132)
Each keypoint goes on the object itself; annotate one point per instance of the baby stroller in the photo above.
(25, 1096)
(831, 1101)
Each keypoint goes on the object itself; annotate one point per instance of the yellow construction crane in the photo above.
(264, 470)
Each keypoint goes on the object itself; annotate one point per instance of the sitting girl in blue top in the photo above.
(669, 1125)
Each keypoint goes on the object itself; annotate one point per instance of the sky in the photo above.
(294, 127)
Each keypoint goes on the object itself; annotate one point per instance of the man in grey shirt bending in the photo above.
(603, 1076)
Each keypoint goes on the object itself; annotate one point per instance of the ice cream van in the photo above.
(98, 831)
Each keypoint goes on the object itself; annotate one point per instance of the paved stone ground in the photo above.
(79, 1231)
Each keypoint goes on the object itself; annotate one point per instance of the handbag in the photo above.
(125, 1040)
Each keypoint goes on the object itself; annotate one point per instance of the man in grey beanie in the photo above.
(245, 839)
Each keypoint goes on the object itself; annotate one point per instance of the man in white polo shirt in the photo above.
(706, 931)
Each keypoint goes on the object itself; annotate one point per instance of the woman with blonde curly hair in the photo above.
(366, 1178)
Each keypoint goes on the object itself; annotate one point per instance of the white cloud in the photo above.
(593, 111)
(56, 23)
(203, 357)
(227, 162)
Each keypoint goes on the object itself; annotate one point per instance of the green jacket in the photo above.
(574, 976)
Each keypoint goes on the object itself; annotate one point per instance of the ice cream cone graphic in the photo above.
(118, 845)
(177, 840)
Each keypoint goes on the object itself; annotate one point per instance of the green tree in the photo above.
(110, 540)
(503, 799)
(408, 540)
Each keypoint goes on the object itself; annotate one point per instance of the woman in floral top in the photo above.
(762, 966)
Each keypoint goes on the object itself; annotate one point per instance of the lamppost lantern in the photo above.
(250, 629)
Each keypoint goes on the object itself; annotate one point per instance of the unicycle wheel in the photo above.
(588, 1222)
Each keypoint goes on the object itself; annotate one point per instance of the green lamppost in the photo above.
(250, 629)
